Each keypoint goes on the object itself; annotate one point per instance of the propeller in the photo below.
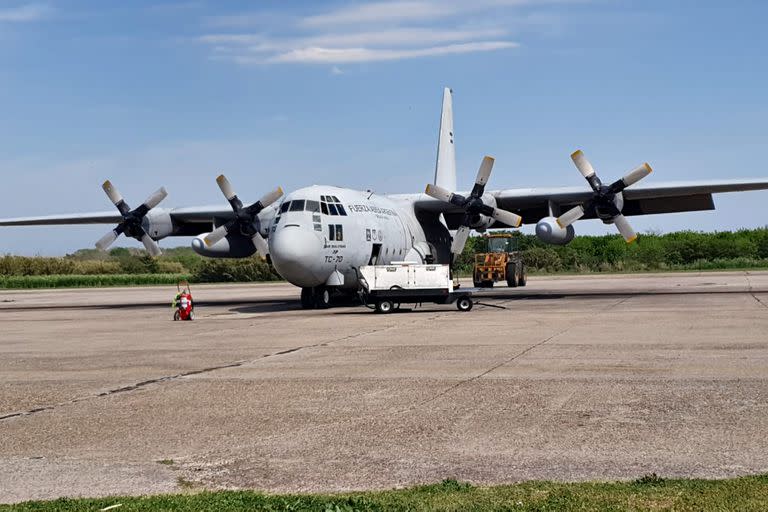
(603, 202)
(473, 206)
(132, 219)
(246, 217)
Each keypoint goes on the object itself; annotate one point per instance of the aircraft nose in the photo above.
(295, 251)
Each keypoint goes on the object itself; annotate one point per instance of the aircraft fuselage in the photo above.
(321, 235)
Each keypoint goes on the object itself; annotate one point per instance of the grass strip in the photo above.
(87, 281)
(648, 493)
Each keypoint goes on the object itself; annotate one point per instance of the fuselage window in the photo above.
(297, 206)
(341, 209)
(331, 232)
(339, 233)
(312, 206)
(324, 208)
(284, 207)
(332, 209)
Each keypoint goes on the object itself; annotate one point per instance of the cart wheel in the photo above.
(192, 315)
(384, 306)
(176, 315)
(464, 304)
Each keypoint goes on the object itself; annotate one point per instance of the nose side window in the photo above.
(331, 232)
(339, 233)
(312, 206)
(284, 207)
(297, 205)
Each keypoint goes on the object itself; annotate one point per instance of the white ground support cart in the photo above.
(387, 286)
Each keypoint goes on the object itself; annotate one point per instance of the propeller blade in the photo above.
(624, 228)
(636, 175)
(570, 216)
(484, 172)
(216, 235)
(226, 187)
(150, 245)
(271, 197)
(107, 240)
(460, 239)
(439, 193)
(112, 192)
(582, 164)
(261, 245)
(155, 198)
(508, 218)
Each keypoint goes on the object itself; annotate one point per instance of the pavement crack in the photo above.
(508, 360)
(752, 292)
(489, 370)
(168, 378)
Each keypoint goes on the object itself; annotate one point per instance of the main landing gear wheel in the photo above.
(384, 306)
(307, 298)
(464, 304)
(318, 297)
(322, 297)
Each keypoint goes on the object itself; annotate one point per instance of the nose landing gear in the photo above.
(318, 297)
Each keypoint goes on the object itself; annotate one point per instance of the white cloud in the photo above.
(349, 55)
(336, 70)
(397, 37)
(404, 11)
(25, 13)
(376, 31)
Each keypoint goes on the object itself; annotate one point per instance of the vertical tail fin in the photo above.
(445, 167)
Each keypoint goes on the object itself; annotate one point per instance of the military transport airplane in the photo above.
(318, 236)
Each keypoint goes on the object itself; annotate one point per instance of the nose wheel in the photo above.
(318, 297)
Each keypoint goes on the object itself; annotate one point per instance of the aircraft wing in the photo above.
(193, 214)
(534, 203)
(110, 217)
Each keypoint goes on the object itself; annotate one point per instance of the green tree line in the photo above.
(122, 266)
(685, 250)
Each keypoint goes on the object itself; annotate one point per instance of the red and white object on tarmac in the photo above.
(183, 304)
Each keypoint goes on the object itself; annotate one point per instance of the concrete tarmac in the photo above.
(596, 377)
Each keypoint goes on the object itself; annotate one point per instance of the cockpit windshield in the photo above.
(329, 205)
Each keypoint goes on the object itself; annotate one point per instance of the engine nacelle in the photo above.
(158, 224)
(231, 246)
(550, 232)
(483, 222)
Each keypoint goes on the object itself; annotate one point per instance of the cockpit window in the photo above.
(284, 207)
(297, 205)
(341, 209)
(324, 208)
(335, 199)
(312, 206)
(332, 209)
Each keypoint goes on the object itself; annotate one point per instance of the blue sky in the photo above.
(151, 93)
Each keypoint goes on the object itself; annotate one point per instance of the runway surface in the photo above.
(598, 377)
